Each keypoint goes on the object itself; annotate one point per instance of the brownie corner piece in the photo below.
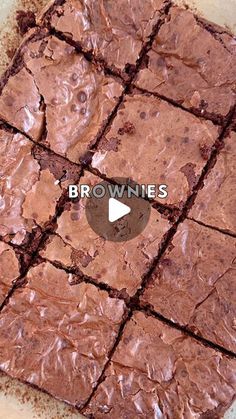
(114, 35)
(192, 67)
(157, 371)
(141, 145)
(193, 284)
(60, 333)
(59, 98)
(215, 204)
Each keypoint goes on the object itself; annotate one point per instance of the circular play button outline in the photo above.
(114, 217)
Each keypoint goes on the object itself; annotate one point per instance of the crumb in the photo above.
(25, 21)
(205, 151)
(128, 128)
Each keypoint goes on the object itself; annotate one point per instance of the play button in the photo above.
(115, 215)
(117, 210)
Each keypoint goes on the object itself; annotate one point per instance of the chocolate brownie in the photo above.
(9, 269)
(58, 336)
(194, 283)
(61, 94)
(189, 65)
(31, 184)
(114, 33)
(157, 371)
(121, 265)
(215, 204)
(70, 97)
(153, 142)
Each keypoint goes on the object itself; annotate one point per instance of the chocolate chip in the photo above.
(143, 115)
(83, 111)
(54, 101)
(9, 101)
(75, 216)
(205, 151)
(74, 77)
(203, 104)
(128, 128)
(82, 97)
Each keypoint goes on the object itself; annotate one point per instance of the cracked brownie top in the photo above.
(31, 184)
(158, 371)
(215, 204)
(151, 141)
(193, 285)
(119, 265)
(60, 94)
(192, 66)
(113, 32)
(58, 336)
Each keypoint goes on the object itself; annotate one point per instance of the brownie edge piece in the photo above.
(9, 269)
(188, 65)
(194, 283)
(58, 336)
(215, 204)
(157, 371)
(114, 34)
(27, 173)
(59, 94)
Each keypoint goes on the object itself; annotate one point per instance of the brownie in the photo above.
(154, 142)
(158, 371)
(114, 34)
(194, 283)
(25, 20)
(60, 94)
(189, 65)
(120, 265)
(133, 90)
(57, 336)
(31, 184)
(20, 104)
(9, 269)
(215, 204)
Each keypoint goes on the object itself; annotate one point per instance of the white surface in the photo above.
(117, 210)
(20, 401)
(222, 12)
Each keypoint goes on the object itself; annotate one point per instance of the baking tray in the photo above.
(18, 400)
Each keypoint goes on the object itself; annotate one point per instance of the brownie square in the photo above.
(153, 142)
(158, 371)
(215, 204)
(59, 93)
(58, 336)
(31, 184)
(9, 269)
(192, 65)
(121, 265)
(113, 33)
(194, 283)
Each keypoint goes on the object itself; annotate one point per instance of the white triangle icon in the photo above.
(117, 210)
